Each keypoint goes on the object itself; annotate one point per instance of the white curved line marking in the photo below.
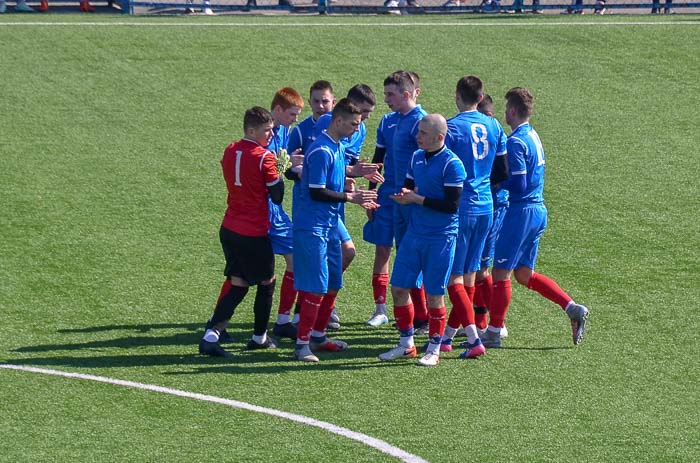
(369, 441)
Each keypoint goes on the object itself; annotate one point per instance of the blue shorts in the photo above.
(342, 232)
(433, 257)
(280, 230)
(380, 230)
(402, 217)
(490, 245)
(318, 261)
(517, 244)
(473, 230)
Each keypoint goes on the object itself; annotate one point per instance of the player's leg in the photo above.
(404, 276)
(545, 286)
(319, 340)
(379, 230)
(233, 290)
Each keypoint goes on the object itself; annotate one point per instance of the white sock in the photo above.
(380, 309)
(493, 329)
(406, 341)
(472, 334)
(295, 319)
(211, 336)
(260, 339)
(449, 333)
(433, 349)
(282, 318)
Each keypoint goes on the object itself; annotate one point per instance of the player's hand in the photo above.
(362, 169)
(370, 206)
(362, 197)
(405, 196)
(349, 184)
(297, 159)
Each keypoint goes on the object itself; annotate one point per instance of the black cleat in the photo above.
(212, 349)
(286, 330)
(268, 344)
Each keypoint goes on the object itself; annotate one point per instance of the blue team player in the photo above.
(286, 107)
(321, 100)
(363, 97)
(480, 143)
(401, 90)
(434, 180)
(317, 253)
(524, 224)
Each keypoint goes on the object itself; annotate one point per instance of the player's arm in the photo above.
(277, 192)
(517, 168)
(499, 170)
(274, 183)
(448, 205)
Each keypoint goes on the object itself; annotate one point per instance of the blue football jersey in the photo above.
(279, 220)
(431, 176)
(403, 143)
(279, 140)
(526, 157)
(324, 167)
(302, 135)
(477, 139)
(353, 144)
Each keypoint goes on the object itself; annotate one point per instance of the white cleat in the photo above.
(399, 352)
(429, 360)
(378, 319)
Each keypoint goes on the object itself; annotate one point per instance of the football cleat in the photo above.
(490, 339)
(329, 345)
(24, 8)
(268, 344)
(429, 360)
(420, 327)
(304, 354)
(212, 349)
(473, 350)
(285, 330)
(578, 315)
(399, 352)
(378, 319)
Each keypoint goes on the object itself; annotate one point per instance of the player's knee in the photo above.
(523, 275)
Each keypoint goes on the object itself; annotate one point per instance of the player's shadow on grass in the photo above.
(145, 328)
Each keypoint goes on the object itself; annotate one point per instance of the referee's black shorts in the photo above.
(247, 257)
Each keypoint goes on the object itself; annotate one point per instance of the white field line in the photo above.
(369, 441)
(348, 24)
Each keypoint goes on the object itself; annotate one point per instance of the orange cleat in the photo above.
(85, 7)
(44, 6)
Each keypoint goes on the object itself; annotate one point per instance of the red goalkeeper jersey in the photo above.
(249, 169)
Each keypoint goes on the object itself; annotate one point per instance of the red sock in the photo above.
(549, 289)
(225, 288)
(470, 292)
(500, 300)
(419, 305)
(287, 294)
(454, 320)
(403, 314)
(482, 301)
(324, 312)
(380, 283)
(307, 317)
(436, 323)
(461, 305)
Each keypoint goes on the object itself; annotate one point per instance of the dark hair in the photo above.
(521, 100)
(345, 109)
(362, 93)
(403, 81)
(321, 85)
(470, 89)
(415, 77)
(286, 97)
(255, 117)
(486, 104)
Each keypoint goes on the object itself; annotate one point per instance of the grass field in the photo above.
(111, 199)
